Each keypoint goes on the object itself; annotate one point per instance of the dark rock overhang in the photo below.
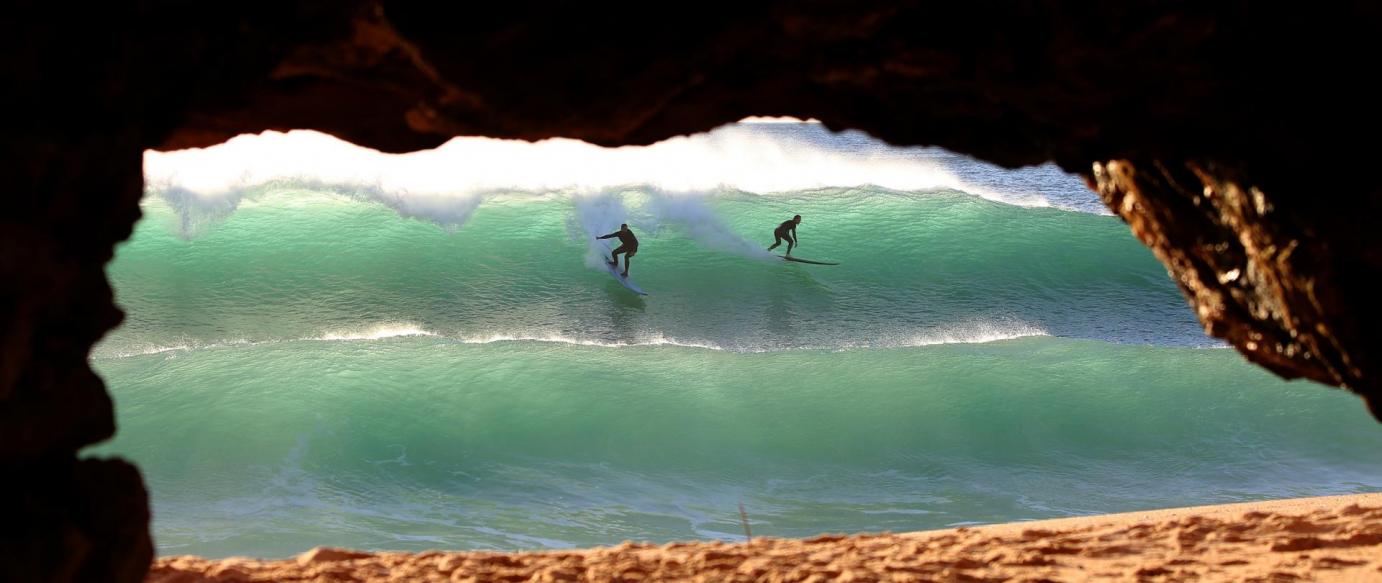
(1232, 137)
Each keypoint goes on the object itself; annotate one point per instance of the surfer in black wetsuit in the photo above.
(628, 245)
(788, 231)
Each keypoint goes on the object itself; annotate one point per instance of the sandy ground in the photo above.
(1333, 538)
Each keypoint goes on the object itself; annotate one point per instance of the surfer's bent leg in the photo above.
(777, 240)
(791, 242)
(614, 256)
(628, 258)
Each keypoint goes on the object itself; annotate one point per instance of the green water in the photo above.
(421, 442)
(303, 366)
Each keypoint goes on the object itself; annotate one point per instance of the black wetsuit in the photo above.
(788, 231)
(627, 242)
(628, 245)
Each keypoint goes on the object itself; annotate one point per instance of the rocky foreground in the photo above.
(1334, 538)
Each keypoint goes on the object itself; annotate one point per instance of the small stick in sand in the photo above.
(744, 516)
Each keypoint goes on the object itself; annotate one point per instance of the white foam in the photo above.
(101, 352)
(143, 351)
(693, 217)
(600, 214)
(652, 340)
(365, 333)
(377, 332)
(972, 333)
(446, 184)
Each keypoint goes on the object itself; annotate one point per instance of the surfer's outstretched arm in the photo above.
(608, 236)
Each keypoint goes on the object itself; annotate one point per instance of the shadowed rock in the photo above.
(1211, 128)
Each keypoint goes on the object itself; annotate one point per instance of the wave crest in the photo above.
(447, 184)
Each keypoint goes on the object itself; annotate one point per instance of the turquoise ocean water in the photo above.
(309, 362)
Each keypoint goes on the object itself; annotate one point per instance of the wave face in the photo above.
(917, 268)
(420, 442)
(349, 357)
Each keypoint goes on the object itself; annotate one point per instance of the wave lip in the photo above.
(731, 156)
(447, 184)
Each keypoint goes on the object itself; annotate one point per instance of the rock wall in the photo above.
(1224, 133)
(1284, 283)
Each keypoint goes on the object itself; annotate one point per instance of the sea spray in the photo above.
(599, 214)
(693, 217)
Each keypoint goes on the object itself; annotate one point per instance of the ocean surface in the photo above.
(330, 346)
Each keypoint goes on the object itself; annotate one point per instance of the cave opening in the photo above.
(328, 345)
(1212, 130)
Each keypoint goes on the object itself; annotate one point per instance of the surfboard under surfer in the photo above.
(786, 231)
(628, 245)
